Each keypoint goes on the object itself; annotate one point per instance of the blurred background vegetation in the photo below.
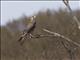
(47, 48)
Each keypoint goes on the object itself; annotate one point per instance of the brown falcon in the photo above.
(29, 29)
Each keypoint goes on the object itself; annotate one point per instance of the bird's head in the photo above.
(32, 18)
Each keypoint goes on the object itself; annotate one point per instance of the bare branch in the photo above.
(73, 16)
(62, 36)
(70, 50)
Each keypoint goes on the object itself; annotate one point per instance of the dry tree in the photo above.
(31, 27)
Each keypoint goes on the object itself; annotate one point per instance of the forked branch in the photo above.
(62, 36)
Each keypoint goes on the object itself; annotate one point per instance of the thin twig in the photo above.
(70, 50)
(40, 36)
(62, 36)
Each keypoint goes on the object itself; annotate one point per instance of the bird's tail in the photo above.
(22, 37)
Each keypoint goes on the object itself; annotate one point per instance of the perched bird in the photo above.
(30, 27)
(66, 2)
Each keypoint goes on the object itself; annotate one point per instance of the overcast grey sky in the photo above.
(15, 9)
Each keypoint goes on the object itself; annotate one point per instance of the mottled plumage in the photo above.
(29, 29)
